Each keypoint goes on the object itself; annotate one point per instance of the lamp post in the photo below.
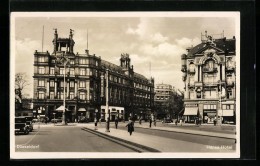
(65, 61)
(107, 104)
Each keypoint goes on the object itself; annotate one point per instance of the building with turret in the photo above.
(209, 75)
(130, 93)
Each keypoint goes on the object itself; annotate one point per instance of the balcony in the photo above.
(210, 70)
(191, 71)
(230, 83)
(230, 68)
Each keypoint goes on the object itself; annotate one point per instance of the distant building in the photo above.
(164, 101)
(209, 74)
(130, 93)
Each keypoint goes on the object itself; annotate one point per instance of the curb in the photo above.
(149, 149)
(187, 133)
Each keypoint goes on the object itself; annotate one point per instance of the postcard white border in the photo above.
(86, 155)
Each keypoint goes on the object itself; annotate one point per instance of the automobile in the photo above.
(21, 126)
(29, 122)
(35, 120)
(83, 120)
(56, 120)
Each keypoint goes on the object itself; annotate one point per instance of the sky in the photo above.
(157, 40)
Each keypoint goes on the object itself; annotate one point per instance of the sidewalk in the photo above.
(161, 144)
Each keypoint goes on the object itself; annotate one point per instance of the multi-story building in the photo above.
(164, 101)
(209, 74)
(85, 82)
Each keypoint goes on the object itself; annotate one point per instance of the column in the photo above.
(48, 86)
(68, 88)
(76, 89)
(55, 89)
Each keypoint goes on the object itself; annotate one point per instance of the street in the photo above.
(50, 138)
(65, 139)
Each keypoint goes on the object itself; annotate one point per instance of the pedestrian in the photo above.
(95, 123)
(116, 122)
(130, 127)
(215, 120)
(176, 122)
(45, 120)
(181, 122)
(140, 121)
(150, 120)
(154, 122)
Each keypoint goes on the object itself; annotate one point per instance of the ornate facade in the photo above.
(85, 83)
(209, 74)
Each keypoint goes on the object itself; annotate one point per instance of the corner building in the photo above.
(85, 85)
(209, 74)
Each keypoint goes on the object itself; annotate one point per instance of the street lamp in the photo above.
(107, 104)
(65, 61)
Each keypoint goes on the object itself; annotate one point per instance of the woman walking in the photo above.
(130, 126)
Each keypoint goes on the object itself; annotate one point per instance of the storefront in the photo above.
(190, 113)
(209, 113)
(228, 112)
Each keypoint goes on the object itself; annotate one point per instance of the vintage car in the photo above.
(21, 126)
(29, 122)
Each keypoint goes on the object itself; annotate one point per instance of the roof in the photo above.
(223, 44)
(111, 66)
(140, 76)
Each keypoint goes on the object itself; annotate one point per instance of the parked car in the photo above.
(21, 126)
(29, 122)
(83, 120)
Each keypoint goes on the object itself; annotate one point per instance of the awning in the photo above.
(60, 109)
(191, 111)
(82, 109)
(228, 112)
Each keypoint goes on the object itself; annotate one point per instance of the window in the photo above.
(41, 59)
(71, 95)
(41, 82)
(72, 72)
(61, 83)
(224, 107)
(72, 62)
(41, 70)
(62, 71)
(52, 71)
(72, 84)
(232, 106)
(82, 61)
(210, 106)
(41, 95)
(96, 63)
(83, 72)
(51, 83)
(82, 84)
(51, 95)
(82, 96)
(61, 95)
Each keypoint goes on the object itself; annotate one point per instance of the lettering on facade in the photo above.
(191, 105)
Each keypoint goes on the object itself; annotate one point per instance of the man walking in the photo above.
(130, 126)
(116, 122)
(150, 120)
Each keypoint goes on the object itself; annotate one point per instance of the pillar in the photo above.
(68, 89)
(55, 89)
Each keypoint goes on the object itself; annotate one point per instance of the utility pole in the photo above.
(42, 36)
(107, 103)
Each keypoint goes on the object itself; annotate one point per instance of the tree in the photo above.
(21, 82)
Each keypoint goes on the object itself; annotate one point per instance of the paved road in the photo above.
(65, 139)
